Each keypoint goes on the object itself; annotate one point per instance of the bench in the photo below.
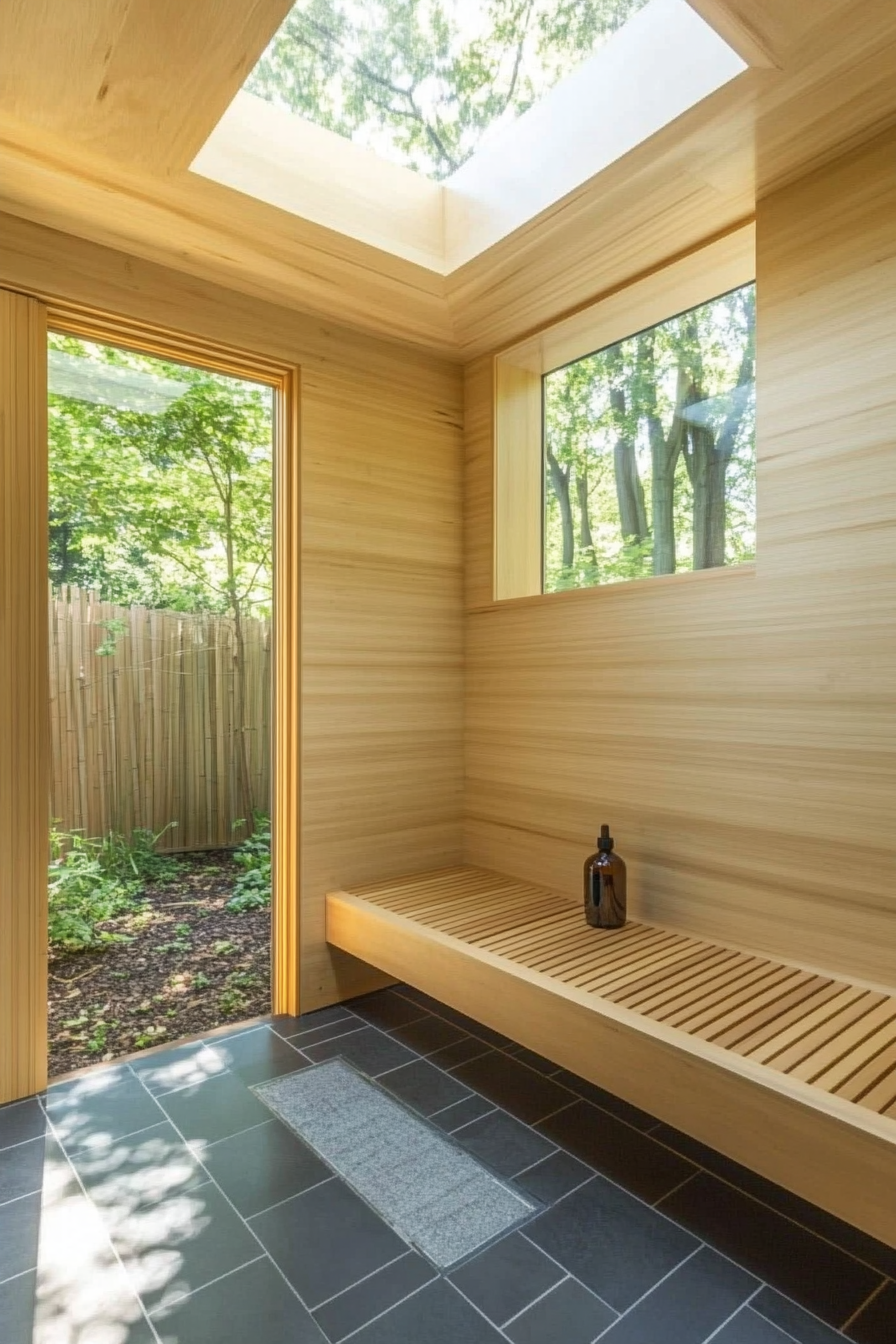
(790, 1072)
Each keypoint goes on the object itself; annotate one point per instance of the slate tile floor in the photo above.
(159, 1202)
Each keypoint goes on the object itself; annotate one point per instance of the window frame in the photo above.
(713, 269)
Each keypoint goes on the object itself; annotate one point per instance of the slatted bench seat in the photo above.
(789, 1072)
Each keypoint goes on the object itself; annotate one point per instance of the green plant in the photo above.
(223, 947)
(92, 880)
(183, 930)
(200, 980)
(151, 1036)
(252, 888)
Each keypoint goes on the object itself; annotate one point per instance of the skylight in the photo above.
(423, 82)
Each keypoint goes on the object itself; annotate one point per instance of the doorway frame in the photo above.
(284, 378)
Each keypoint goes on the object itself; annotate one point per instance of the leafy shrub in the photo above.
(93, 880)
(252, 889)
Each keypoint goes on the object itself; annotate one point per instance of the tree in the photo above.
(168, 507)
(667, 419)
(422, 82)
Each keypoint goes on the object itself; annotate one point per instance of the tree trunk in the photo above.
(665, 450)
(560, 485)
(586, 540)
(629, 490)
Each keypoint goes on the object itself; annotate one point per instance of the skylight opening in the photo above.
(425, 82)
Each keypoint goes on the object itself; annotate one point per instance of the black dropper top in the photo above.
(604, 840)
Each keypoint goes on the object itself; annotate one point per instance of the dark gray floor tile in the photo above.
(624, 1154)
(417, 996)
(139, 1169)
(17, 1299)
(20, 1121)
(849, 1238)
(748, 1328)
(91, 1110)
(569, 1314)
(461, 1052)
(436, 1315)
(814, 1273)
(19, 1235)
(386, 1010)
(617, 1246)
(608, 1101)
(461, 1113)
(286, 1025)
(520, 1090)
(800, 1324)
(259, 1055)
(182, 1243)
(553, 1178)
(688, 1305)
(502, 1143)
(254, 1304)
(876, 1323)
(182, 1067)
(376, 1294)
(325, 1240)
(22, 1169)
(214, 1110)
(263, 1166)
(428, 1034)
(506, 1278)
(423, 1087)
(329, 1031)
(369, 1050)
(534, 1061)
(474, 1028)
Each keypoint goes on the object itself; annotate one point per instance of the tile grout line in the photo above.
(479, 1311)
(327, 1040)
(114, 1249)
(385, 1312)
(15, 1199)
(297, 1194)
(674, 1191)
(567, 1272)
(652, 1289)
(9, 1147)
(372, 1275)
(540, 1298)
(867, 1303)
(743, 1306)
(182, 1297)
(21, 1274)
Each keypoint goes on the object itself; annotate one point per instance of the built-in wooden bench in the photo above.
(790, 1072)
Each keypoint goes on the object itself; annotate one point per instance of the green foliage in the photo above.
(650, 451)
(422, 83)
(252, 888)
(95, 880)
(168, 506)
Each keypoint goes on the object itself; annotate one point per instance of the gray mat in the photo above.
(436, 1196)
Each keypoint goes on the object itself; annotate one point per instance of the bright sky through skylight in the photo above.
(422, 82)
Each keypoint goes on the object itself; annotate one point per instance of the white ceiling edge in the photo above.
(665, 60)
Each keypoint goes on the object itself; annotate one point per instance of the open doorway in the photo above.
(160, 616)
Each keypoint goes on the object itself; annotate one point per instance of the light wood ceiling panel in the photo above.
(111, 168)
(144, 81)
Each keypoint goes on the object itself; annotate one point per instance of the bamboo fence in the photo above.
(144, 729)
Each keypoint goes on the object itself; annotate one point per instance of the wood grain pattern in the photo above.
(140, 80)
(664, 1055)
(379, 724)
(729, 724)
(24, 696)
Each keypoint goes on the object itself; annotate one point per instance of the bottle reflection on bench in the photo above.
(605, 885)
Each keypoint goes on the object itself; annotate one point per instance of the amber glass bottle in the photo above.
(605, 885)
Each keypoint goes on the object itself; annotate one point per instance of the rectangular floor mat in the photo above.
(437, 1197)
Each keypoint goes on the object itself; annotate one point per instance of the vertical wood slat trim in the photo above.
(286, 747)
(24, 696)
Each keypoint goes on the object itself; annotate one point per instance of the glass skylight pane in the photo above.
(423, 82)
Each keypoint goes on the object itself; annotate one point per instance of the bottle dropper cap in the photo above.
(604, 840)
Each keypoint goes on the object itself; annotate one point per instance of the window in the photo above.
(649, 450)
(625, 435)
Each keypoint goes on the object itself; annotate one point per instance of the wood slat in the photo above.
(819, 1031)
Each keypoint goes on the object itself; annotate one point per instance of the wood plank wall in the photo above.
(382, 570)
(24, 698)
(735, 727)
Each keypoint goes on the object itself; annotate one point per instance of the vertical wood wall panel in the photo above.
(24, 696)
(379, 727)
(736, 728)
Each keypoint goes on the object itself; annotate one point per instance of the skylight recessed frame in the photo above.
(662, 62)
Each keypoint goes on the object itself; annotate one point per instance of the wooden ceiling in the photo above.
(104, 104)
